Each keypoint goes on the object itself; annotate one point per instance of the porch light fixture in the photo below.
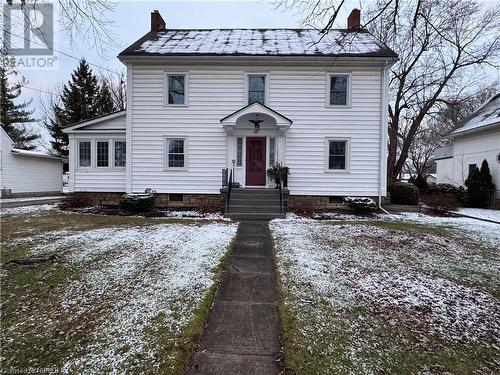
(256, 123)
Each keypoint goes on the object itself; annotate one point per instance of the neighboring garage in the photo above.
(28, 173)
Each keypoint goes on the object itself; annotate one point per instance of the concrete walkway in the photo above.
(242, 335)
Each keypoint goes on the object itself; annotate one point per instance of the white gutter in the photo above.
(383, 134)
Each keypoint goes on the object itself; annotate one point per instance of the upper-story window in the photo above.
(176, 89)
(339, 90)
(257, 88)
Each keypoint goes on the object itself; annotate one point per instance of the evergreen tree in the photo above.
(105, 103)
(13, 116)
(82, 98)
(485, 176)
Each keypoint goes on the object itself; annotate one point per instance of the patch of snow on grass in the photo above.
(443, 307)
(32, 210)
(130, 277)
(481, 213)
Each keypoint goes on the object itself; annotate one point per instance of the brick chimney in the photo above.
(354, 20)
(157, 22)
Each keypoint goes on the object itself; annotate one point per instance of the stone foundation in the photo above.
(309, 203)
(202, 202)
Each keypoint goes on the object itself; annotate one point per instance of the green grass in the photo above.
(33, 294)
(324, 335)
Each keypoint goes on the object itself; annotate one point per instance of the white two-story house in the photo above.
(200, 101)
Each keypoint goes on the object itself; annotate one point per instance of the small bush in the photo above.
(421, 183)
(137, 202)
(440, 203)
(76, 200)
(361, 205)
(403, 193)
(480, 187)
(208, 207)
(458, 192)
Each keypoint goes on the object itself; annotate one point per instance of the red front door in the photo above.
(256, 161)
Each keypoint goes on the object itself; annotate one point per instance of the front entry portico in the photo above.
(251, 149)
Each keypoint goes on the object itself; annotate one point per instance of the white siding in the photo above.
(214, 93)
(108, 179)
(471, 149)
(28, 174)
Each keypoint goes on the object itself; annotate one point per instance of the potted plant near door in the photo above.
(279, 173)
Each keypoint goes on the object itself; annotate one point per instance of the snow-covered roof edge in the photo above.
(485, 117)
(36, 154)
(94, 120)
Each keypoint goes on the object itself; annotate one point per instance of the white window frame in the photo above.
(347, 155)
(109, 152)
(186, 89)
(165, 151)
(266, 86)
(113, 141)
(348, 93)
(78, 166)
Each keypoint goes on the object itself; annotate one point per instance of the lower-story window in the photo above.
(337, 154)
(272, 151)
(239, 151)
(176, 153)
(120, 153)
(84, 159)
(102, 149)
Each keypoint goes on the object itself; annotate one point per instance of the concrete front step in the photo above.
(255, 216)
(256, 209)
(254, 202)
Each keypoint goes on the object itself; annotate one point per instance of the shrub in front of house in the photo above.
(76, 200)
(403, 193)
(445, 189)
(137, 202)
(361, 205)
(439, 203)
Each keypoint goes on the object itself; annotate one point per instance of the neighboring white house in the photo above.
(25, 173)
(476, 139)
(200, 101)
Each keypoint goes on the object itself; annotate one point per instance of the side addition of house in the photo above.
(203, 101)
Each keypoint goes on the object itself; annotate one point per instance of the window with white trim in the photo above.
(102, 151)
(257, 88)
(176, 152)
(337, 154)
(239, 151)
(272, 151)
(84, 154)
(176, 89)
(120, 153)
(339, 90)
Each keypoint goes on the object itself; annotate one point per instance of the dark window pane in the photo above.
(176, 146)
(239, 152)
(120, 153)
(175, 161)
(337, 155)
(256, 89)
(102, 154)
(176, 153)
(176, 89)
(338, 90)
(84, 154)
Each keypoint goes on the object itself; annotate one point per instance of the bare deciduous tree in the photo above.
(117, 85)
(442, 48)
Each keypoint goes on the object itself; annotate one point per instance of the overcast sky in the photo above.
(132, 20)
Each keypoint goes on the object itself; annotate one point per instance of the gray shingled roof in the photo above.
(259, 42)
(486, 116)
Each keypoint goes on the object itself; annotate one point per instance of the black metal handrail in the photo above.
(229, 187)
(281, 197)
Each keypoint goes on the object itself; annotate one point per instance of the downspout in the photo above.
(383, 134)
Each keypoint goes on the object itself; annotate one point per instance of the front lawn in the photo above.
(389, 296)
(124, 294)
